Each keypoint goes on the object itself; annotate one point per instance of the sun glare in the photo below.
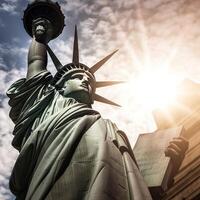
(155, 89)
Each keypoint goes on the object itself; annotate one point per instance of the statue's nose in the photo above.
(85, 79)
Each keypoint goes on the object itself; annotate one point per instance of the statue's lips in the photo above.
(84, 85)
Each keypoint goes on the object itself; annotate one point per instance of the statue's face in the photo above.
(80, 86)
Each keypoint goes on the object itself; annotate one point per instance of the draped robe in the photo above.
(66, 149)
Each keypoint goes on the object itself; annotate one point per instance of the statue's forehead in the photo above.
(79, 73)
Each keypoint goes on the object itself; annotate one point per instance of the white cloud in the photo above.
(12, 56)
(12, 50)
(7, 78)
(9, 6)
(7, 153)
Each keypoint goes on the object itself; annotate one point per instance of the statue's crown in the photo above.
(77, 66)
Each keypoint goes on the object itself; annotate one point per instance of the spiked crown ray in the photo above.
(76, 65)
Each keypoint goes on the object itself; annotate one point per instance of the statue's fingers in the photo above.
(170, 152)
(181, 142)
(182, 139)
(166, 153)
(184, 142)
(175, 147)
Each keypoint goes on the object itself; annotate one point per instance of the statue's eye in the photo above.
(80, 77)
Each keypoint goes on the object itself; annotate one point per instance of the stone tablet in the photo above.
(149, 153)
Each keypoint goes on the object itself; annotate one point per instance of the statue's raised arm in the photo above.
(43, 21)
(42, 32)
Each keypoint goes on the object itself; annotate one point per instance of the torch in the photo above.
(44, 9)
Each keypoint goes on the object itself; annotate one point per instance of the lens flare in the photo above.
(155, 89)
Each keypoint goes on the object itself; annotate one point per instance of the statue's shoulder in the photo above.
(24, 84)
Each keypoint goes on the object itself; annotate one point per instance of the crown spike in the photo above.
(95, 67)
(75, 58)
(107, 83)
(104, 100)
(55, 60)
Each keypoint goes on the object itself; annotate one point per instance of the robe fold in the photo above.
(67, 150)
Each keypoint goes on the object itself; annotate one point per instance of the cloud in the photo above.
(7, 153)
(9, 6)
(9, 72)
(12, 7)
(12, 56)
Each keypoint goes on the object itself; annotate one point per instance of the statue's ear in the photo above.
(60, 83)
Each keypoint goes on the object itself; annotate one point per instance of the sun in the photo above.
(155, 89)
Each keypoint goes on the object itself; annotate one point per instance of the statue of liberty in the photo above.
(67, 150)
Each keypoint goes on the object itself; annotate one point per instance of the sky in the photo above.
(154, 37)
